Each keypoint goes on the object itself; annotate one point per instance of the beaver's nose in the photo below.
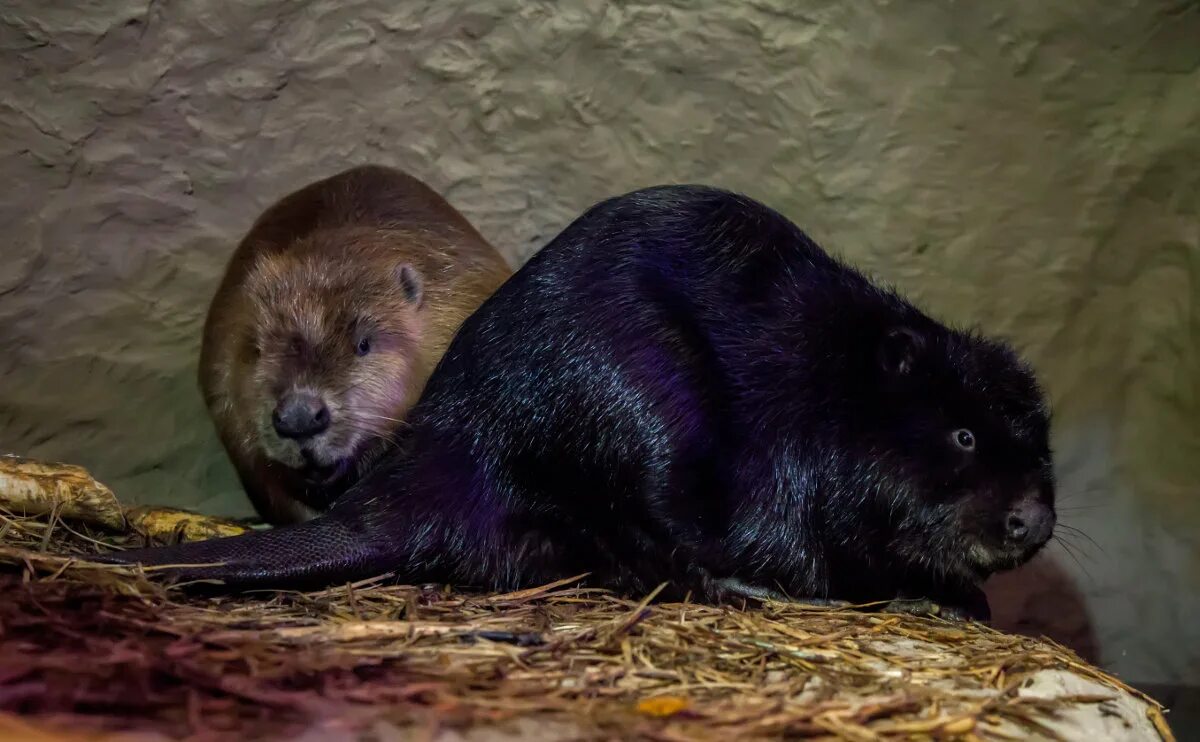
(1029, 523)
(300, 415)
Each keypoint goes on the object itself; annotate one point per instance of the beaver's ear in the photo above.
(410, 283)
(901, 349)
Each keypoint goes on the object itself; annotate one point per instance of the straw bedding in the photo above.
(89, 651)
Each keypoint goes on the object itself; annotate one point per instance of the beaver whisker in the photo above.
(368, 426)
(1066, 539)
(393, 429)
(396, 420)
(1080, 532)
(365, 432)
(1070, 551)
(1080, 492)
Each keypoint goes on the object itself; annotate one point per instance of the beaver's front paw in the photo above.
(927, 607)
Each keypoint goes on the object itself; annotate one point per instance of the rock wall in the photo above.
(1028, 167)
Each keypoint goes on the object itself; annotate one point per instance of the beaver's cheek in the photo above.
(380, 403)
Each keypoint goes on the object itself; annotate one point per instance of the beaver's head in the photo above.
(959, 444)
(333, 350)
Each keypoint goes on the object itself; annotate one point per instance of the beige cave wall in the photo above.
(1029, 167)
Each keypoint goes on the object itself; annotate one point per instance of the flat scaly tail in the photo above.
(327, 550)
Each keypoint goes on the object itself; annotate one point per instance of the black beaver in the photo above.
(682, 387)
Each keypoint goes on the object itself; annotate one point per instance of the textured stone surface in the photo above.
(1028, 167)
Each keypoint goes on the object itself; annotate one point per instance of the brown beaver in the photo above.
(333, 311)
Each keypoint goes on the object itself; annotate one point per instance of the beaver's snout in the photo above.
(300, 416)
(1028, 525)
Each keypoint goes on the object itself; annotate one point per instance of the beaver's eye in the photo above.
(964, 439)
(364, 346)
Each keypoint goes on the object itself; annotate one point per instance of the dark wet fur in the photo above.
(683, 387)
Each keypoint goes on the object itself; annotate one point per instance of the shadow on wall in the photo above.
(1042, 599)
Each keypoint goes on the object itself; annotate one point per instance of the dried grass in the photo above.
(89, 648)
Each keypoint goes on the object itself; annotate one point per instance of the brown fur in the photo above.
(371, 252)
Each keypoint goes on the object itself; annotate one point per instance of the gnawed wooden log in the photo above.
(70, 493)
(65, 491)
